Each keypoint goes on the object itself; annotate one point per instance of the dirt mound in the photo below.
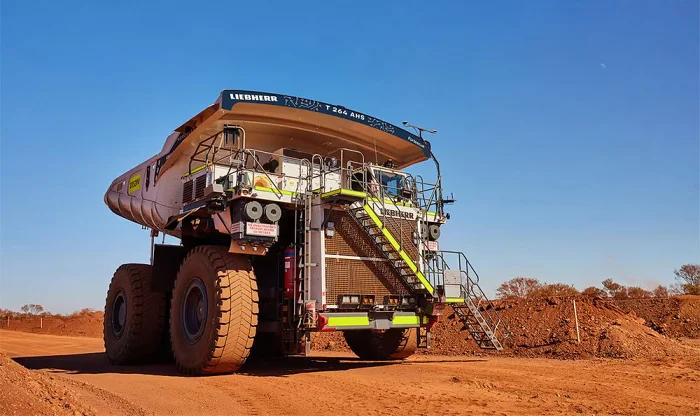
(79, 324)
(677, 316)
(25, 392)
(546, 327)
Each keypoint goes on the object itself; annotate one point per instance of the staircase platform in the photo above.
(343, 195)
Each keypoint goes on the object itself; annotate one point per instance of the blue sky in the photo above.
(568, 131)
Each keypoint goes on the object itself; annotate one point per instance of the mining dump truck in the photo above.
(293, 216)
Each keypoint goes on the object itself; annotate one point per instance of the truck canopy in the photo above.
(275, 121)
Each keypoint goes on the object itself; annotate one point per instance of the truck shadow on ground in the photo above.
(97, 363)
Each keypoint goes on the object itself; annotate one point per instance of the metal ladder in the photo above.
(409, 271)
(479, 327)
(473, 309)
(295, 337)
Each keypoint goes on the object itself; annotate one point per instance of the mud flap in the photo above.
(166, 263)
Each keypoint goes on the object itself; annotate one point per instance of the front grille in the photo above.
(354, 276)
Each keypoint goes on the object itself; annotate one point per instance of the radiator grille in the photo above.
(187, 189)
(366, 277)
(199, 187)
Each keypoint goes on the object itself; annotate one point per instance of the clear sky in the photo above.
(568, 131)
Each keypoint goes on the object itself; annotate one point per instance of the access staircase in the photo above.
(390, 247)
(481, 320)
(474, 310)
(472, 307)
(427, 272)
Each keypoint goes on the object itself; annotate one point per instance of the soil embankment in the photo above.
(547, 328)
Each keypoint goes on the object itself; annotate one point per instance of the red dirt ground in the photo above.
(546, 328)
(540, 327)
(27, 392)
(336, 383)
(651, 373)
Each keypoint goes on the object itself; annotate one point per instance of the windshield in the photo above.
(392, 183)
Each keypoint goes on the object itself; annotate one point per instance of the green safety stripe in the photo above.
(282, 191)
(358, 194)
(408, 320)
(344, 192)
(345, 321)
(454, 300)
(397, 247)
(397, 203)
(195, 170)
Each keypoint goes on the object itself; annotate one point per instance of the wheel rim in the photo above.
(119, 313)
(194, 311)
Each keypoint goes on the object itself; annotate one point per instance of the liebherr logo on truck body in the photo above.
(253, 97)
(394, 213)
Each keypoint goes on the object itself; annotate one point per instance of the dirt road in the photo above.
(341, 384)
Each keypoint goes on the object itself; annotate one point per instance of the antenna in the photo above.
(440, 200)
(419, 129)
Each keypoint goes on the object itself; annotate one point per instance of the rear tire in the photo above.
(394, 344)
(134, 319)
(214, 312)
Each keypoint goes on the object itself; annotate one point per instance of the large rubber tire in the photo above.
(134, 319)
(215, 337)
(394, 344)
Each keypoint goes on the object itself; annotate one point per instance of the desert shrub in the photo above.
(636, 292)
(518, 288)
(82, 312)
(688, 277)
(554, 289)
(615, 290)
(594, 292)
(660, 291)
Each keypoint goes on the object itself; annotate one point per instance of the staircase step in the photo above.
(479, 327)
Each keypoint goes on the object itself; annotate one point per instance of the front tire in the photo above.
(134, 319)
(394, 344)
(214, 312)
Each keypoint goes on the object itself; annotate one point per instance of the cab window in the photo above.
(392, 183)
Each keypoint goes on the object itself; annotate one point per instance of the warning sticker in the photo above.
(260, 229)
(431, 246)
(134, 183)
